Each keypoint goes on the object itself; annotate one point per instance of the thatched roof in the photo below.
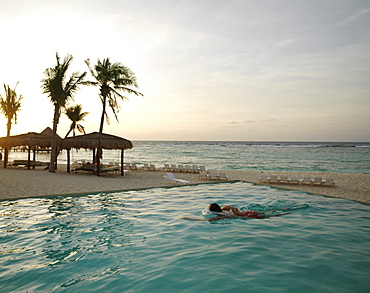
(92, 141)
(30, 139)
(48, 132)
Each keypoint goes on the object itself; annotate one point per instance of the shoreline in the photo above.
(22, 183)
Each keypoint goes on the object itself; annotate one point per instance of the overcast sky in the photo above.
(286, 70)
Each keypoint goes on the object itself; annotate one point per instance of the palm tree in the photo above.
(9, 106)
(60, 91)
(76, 115)
(111, 80)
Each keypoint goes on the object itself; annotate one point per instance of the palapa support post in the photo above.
(99, 151)
(68, 162)
(122, 160)
(29, 158)
(6, 156)
(34, 158)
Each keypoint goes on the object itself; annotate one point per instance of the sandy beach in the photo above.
(22, 183)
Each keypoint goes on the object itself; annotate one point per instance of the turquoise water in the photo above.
(253, 156)
(135, 241)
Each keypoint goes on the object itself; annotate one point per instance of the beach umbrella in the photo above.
(96, 140)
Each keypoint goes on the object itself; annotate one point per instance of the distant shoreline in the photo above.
(23, 183)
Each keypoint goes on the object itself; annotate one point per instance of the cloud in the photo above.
(353, 17)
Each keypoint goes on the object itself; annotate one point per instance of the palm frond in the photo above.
(112, 79)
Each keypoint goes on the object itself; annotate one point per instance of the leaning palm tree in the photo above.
(76, 115)
(112, 80)
(9, 106)
(60, 91)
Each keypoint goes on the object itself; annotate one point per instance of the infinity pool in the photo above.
(136, 241)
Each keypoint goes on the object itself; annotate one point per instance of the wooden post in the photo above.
(29, 158)
(68, 162)
(34, 159)
(6, 156)
(122, 161)
(98, 158)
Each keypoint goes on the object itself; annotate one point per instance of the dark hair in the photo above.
(214, 207)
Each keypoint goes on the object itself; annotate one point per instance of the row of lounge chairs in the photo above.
(167, 168)
(24, 163)
(211, 175)
(87, 166)
(183, 168)
(317, 181)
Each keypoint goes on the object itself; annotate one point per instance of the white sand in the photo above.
(22, 183)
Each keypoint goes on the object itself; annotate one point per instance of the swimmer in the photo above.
(233, 212)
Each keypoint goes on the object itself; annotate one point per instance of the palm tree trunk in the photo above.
(99, 149)
(6, 151)
(53, 155)
(69, 131)
(103, 114)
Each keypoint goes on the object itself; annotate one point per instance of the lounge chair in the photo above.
(203, 175)
(213, 176)
(166, 167)
(317, 181)
(170, 178)
(263, 178)
(195, 169)
(88, 167)
(134, 167)
(152, 168)
(180, 168)
(145, 167)
(328, 182)
(173, 168)
(188, 169)
(75, 166)
(293, 180)
(202, 168)
(273, 179)
(283, 180)
(223, 176)
(306, 180)
(109, 168)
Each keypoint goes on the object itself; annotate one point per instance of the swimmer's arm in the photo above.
(269, 216)
(206, 220)
(234, 210)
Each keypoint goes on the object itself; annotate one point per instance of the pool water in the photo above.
(136, 241)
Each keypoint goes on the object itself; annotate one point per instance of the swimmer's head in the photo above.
(214, 207)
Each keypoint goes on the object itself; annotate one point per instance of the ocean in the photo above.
(332, 157)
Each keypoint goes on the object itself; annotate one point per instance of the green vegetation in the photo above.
(60, 91)
(76, 115)
(9, 106)
(112, 78)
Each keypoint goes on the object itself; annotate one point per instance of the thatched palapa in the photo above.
(32, 140)
(94, 140)
(98, 141)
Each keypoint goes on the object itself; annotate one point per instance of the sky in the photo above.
(212, 70)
